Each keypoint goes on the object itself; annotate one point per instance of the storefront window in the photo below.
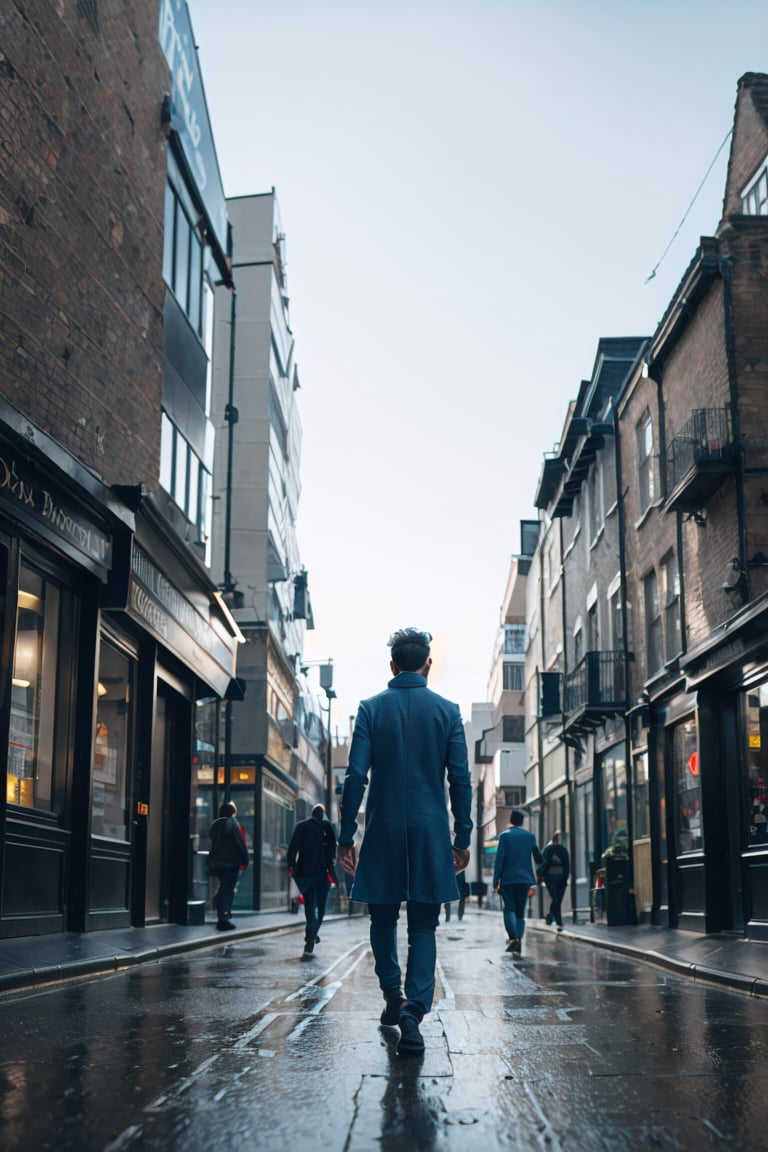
(757, 765)
(277, 820)
(641, 810)
(109, 812)
(688, 826)
(33, 693)
(614, 796)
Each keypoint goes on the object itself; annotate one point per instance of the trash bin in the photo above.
(619, 894)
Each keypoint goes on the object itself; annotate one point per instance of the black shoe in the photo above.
(517, 947)
(391, 1014)
(411, 1042)
(511, 943)
(225, 925)
(317, 939)
(308, 952)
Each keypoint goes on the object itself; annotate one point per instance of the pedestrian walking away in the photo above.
(311, 854)
(555, 872)
(513, 877)
(228, 854)
(406, 741)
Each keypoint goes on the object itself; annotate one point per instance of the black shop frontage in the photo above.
(113, 641)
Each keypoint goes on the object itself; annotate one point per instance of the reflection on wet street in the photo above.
(568, 1046)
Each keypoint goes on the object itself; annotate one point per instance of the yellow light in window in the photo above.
(101, 689)
(18, 683)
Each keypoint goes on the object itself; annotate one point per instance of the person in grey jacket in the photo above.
(406, 740)
(513, 877)
(227, 855)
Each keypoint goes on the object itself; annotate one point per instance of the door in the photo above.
(156, 896)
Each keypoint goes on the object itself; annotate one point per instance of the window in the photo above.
(641, 810)
(754, 199)
(513, 729)
(31, 744)
(578, 646)
(514, 797)
(672, 629)
(756, 725)
(614, 796)
(109, 791)
(652, 623)
(183, 256)
(616, 621)
(595, 509)
(514, 639)
(184, 476)
(513, 677)
(645, 474)
(593, 629)
(688, 824)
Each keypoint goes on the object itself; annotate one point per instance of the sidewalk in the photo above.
(32, 961)
(730, 961)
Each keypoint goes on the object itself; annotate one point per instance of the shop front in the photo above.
(58, 526)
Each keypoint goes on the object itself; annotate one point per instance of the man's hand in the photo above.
(460, 859)
(348, 859)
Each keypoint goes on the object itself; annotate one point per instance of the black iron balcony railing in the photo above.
(699, 456)
(596, 685)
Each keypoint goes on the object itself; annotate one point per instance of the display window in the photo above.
(111, 745)
(31, 743)
(689, 829)
(756, 759)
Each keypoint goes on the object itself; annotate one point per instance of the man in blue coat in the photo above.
(406, 739)
(513, 876)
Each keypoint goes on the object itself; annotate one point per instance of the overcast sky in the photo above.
(473, 192)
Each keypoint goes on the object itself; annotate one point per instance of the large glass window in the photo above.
(513, 677)
(756, 729)
(277, 821)
(109, 804)
(755, 197)
(31, 742)
(689, 832)
(614, 796)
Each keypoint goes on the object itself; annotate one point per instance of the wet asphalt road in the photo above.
(243, 1045)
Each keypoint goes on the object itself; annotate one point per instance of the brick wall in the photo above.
(82, 175)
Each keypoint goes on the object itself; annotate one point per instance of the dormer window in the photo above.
(754, 198)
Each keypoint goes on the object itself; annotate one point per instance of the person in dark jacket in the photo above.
(227, 855)
(555, 872)
(311, 853)
(513, 876)
(406, 739)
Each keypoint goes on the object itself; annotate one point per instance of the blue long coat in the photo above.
(407, 739)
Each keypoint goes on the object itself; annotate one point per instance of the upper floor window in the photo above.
(513, 677)
(672, 628)
(653, 634)
(513, 730)
(514, 639)
(754, 198)
(183, 257)
(596, 510)
(184, 476)
(645, 476)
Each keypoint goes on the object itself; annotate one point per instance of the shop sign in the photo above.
(160, 606)
(33, 498)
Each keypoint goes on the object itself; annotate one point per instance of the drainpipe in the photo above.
(231, 416)
(726, 271)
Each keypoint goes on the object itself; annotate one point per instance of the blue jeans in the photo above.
(315, 891)
(514, 898)
(422, 953)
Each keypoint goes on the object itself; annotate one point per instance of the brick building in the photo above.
(691, 594)
(112, 629)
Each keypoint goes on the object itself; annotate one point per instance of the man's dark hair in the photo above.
(410, 648)
(318, 811)
(516, 817)
(227, 809)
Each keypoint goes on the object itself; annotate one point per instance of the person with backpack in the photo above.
(555, 872)
(228, 854)
(311, 853)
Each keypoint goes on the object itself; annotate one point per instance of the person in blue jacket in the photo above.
(405, 741)
(513, 876)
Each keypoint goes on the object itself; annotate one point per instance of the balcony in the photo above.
(594, 691)
(699, 458)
